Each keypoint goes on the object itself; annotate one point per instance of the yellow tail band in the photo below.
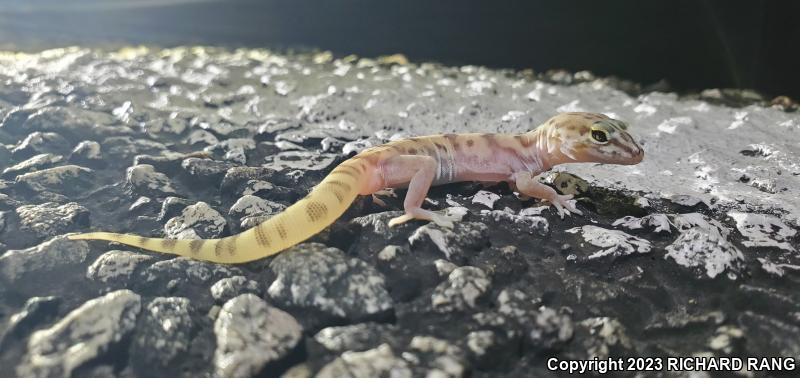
(323, 205)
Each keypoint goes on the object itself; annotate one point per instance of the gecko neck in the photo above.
(546, 148)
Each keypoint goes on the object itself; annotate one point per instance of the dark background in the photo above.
(693, 44)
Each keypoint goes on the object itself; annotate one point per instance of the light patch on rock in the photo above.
(479, 342)
(84, 334)
(615, 243)
(762, 230)
(485, 198)
(670, 125)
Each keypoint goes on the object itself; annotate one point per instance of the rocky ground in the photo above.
(694, 252)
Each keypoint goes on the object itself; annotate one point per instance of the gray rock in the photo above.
(116, 266)
(230, 287)
(36, 312)
(35, 163)
(313, 277)
(464, 287)
(378, 362)
(40, 143)
(53, 254)
(250, 334)
(49, 219)
(198, 221)
(604, 337)
(172, 207)
(84, 334)
(67, 180)
(87, 151)
(144, 180)
(164, 334)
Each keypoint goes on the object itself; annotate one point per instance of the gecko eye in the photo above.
(600, 136)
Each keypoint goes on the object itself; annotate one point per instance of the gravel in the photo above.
(692, 252)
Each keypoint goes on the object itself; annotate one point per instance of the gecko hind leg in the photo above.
(418, 172)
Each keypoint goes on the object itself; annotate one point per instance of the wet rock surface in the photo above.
(692, 252)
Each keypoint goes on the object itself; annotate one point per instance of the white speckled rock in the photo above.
(231, 287)
(198, 221)
(614, 243)
(250, 334)
(378, 362)
(464, 286)
(116, 266)
(165, 333)
(658, 222)
(84, 334)
(313, 276)
(50, 255)
(49, 219)
(32, 164)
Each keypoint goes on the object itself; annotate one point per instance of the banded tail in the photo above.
(323, 205)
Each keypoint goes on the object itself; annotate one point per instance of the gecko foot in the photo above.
(445, 221)
(564, 205)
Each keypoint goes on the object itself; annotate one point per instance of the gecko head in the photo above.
(593, 137)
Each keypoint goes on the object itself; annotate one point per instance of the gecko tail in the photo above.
(323, 205)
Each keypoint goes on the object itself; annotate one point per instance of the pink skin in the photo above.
(421, 162)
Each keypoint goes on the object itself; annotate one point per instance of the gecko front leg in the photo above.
(529, 186)
(418, 172)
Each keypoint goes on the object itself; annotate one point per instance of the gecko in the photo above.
(416, 164)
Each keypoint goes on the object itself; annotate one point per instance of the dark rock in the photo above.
(456, 245)
(163, 334)
(783, 339)
(205, 172)
(251, 334)
(36, 312)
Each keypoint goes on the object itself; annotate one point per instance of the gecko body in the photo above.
(417, 164)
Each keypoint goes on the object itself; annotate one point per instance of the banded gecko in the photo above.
(416, 164)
